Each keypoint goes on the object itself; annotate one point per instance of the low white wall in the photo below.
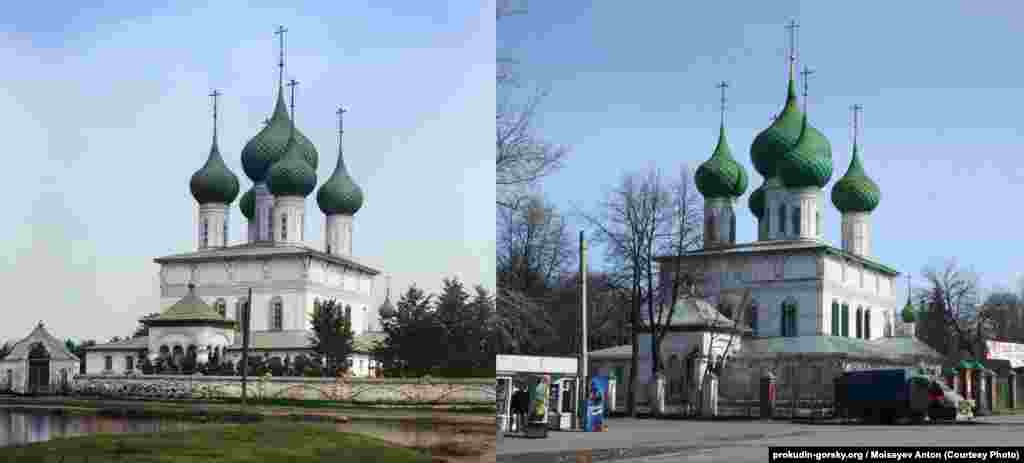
(413, 391)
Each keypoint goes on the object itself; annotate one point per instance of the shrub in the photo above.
(276, 366)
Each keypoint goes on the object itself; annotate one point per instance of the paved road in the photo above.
(662, 441)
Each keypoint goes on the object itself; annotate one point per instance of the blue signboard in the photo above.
(596, 404)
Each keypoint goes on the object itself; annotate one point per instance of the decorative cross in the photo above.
(341, 118)
(722, 86)
(280, 63)
(215, 93)
(792, 28)
(805, 74)
(292, 83)
(856, 112)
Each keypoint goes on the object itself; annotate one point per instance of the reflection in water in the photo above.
(455, 443)
(25, 428)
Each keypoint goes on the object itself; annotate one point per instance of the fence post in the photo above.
(767, 395)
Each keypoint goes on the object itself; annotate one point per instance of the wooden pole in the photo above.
(245, 345)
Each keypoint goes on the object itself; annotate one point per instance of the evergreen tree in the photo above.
(415, 338)
(332, 334)
(452, 310)
(5, 349)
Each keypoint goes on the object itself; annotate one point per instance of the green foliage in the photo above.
(276, 366)
(332, 333)
(6, 347)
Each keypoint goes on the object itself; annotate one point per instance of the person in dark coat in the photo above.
(520, 407)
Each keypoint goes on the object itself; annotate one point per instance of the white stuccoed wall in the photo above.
(875, 293)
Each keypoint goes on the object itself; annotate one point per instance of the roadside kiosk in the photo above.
(519, 372)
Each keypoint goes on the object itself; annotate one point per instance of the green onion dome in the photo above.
(248, 204)
(340, 194)
(268, 146)
(756, 202)
(721, 176)
(855, 191)
(292, 175)
(214, 182)
(772, 143)
(809, 163)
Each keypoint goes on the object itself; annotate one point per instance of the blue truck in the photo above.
(885, 395)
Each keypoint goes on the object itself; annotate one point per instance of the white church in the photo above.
(202, 292)
(816, 309)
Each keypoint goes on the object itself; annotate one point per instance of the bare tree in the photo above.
(535, 251)
(523, 156)
(953, 295)
(629, 223)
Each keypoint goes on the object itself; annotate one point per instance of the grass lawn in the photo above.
(292, 442)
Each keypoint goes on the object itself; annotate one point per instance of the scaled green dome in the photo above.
(809, 163)
(756, 202)
(268, 146)
(214, 182)
(774, 142)
(248, 204)
(340, 194)
(292, 175)
(855, 191)
(721, 176)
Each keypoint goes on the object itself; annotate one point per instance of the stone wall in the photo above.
(412, 391)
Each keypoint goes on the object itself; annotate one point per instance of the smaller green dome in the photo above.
(855, 191)
(214, 182)
(292, 175)
(721, 176)
(756, 202)
(772, 143)
(809, 163)
(248, 204)
(340, 194)
(909, 315)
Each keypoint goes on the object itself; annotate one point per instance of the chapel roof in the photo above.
(190, 308)
(55, 347)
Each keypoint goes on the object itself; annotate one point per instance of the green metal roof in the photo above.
(340, 194)
(697, 312)
(271, 143)
(809, 162)
(756, 202)
(721, 176)
(772, 143)
(855, 191)
(214, 182)
(291, 175)
(189, 308)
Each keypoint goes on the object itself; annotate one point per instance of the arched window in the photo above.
(817, 223)
(789, 315)
(225, 233)
(712, 235)
(835, 318)
(732, 229)
(366, 320)
(782, 219)
(276, 314)
(284, 226)
(860, 321)
(867, 323)
(796, 220)
(221, 306)
(845, 318)
(752, 316)
(348, 315)
(206, 232)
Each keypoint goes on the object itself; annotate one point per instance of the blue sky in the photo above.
(106, 116)
(632, 87)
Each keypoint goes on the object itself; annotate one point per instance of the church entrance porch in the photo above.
(38, 370)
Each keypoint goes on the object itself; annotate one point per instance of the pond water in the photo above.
(456, 443)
